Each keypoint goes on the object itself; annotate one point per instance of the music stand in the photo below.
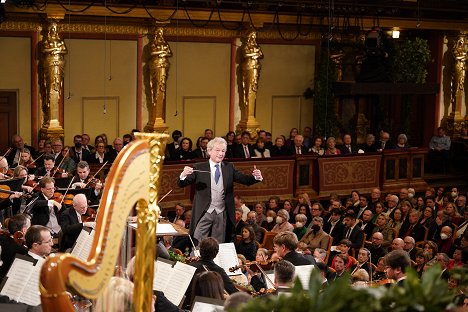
(14, 184)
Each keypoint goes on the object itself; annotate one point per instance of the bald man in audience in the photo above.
(70, 221)
(398, 244)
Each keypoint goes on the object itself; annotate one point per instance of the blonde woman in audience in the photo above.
(117, 297)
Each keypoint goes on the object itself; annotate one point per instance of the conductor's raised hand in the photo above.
(257, 174)
(187, 171)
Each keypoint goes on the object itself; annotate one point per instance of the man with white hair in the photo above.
(398, 244)
(71, 223)
(213, 205)
(392, 203)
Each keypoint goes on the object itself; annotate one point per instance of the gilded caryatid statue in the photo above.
(159, 51)
(52, 60)
(459, 54)
(251, 56)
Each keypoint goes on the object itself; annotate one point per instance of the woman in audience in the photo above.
(396, 219)
(405, 207)
(452, 212)
(379, 208)
(302, 199)
(300, 228)
(402, 142)
(279, 149)
(68, 164)
(382, 225)
(260, 150)
(355, 197)
(184, 151)
(260, 210)
(230, 140)
(427, 218)
(292, 135)
(99, 156)
(305, 210)
(317, 148)
(379, 273)
(420, 203)
(287, 205)
(331, 147)
(439, 199)
(282, 223)
(369, 146)
(430, 250)
(247, 246)
(208, 284)
(269, 222)
(421, 260)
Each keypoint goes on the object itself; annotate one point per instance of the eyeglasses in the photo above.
(46, 242)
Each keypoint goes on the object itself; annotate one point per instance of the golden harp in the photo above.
(133, 178)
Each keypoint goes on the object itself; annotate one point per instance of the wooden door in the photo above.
(8, 118)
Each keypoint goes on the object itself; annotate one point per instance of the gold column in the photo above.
(159, 51)
(459, 54)
(51, 73)
(147, 220)
(251, 55)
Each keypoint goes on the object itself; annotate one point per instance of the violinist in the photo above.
(45, 210)
(26, 159)
(257, 279)
(3, 168)
(17, 223)
(48, 170)
(284, 275)
(83, 180)
(71, 223)
(209, 248)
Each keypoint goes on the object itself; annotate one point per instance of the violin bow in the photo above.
(94, 175)
(6, 153)
(165, 195)
(58, 167)
(68, 188)
(34, 160)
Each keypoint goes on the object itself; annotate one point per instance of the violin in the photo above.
(68, 199)
(264, 292)
(18, 237)
(58, 197)
(255, 266)
(89, 216)
(5, 192)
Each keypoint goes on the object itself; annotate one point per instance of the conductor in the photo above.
(213, 212)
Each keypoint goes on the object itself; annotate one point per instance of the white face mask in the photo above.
(410, 195)
(443, 236)
(454, 194)
(299, 224)
(269, 219)
(279, 220)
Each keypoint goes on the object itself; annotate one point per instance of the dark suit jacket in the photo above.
(337, 232)
(344, 150)
(71, 228)
(239, 151)
(297, 258)
(170, 149)
(91, 159)
(293, 150)
(84, 155)
(40, 172)
(199, 154)
(417, 232)
(9, 249)
(163, 304)
(211, 266)
(369, 229)
(202, 199)
(284, 151)
(40, 210)
(356, 237)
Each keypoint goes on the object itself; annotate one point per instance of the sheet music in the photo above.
(83, 244)
(161, 228)
(22, 284)
(227, 258)
(271, 276)
(303, 273)
(173, 280)
(202, 304)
